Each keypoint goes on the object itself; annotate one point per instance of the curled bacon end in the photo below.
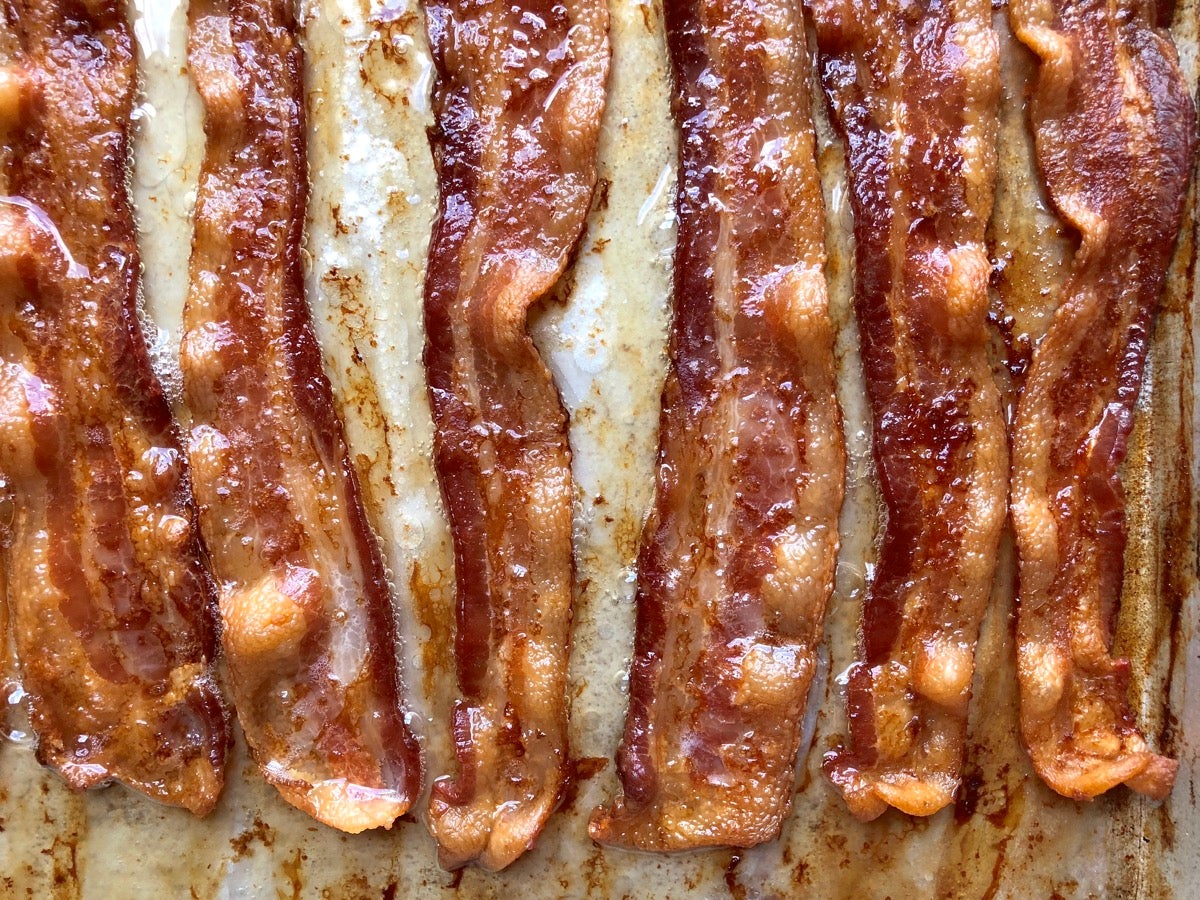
(1115, 131)
(518, 99)
(107, 593)
(309, 632)
(738, 555)
(914, 90)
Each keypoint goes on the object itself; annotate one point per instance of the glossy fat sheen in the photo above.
(109, 601)
(738, 554)
(913, 89)
(517, 101)
(1115, 132)
(308, 628)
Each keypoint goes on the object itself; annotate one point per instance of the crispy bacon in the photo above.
(308, 621)
(518, 99)
(738, 554)
(109, 597)
(1115, 132)
(913, 88)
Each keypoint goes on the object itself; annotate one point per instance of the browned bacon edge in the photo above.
(738, 555)
(913, 88)
(1115, 132)
(106, 586)
(517, 99)
(309, 632)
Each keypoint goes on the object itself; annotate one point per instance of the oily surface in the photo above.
(370, 214)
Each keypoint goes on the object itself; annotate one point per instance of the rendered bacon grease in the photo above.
(308, 623)
(108, 597)
(518, 99)
(738, 555)
(913, 89)
(1115, 134)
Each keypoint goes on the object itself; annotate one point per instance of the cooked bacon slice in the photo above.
(308, 622)
(517, 99)
(1115, 134)
(914, 88)
(738, 555)
(109, 599)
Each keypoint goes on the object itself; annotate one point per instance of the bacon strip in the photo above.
(738, 555)
(308, 620)
(109, 597)
(914, 90)
(518, 99)
(1115, 131)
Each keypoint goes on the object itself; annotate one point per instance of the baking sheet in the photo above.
(604, 333)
